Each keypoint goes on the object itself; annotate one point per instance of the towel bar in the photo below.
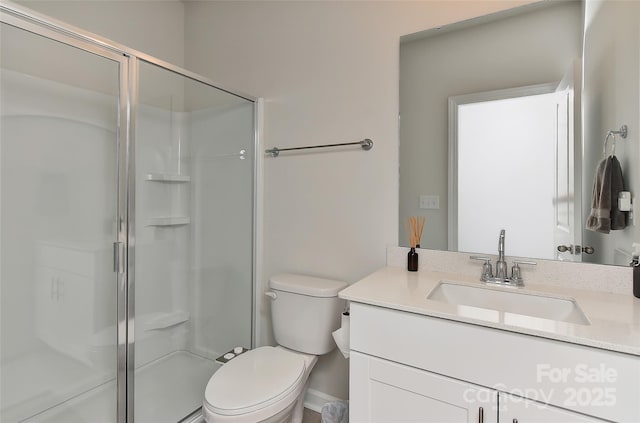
(366, 145)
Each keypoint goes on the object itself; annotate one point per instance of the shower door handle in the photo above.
(118, 257)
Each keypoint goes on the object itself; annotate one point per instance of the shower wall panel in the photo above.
(44, 127)
(162, 251)
(193, 230)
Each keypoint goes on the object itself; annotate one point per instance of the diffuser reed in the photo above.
(414, 233)
(414, 230)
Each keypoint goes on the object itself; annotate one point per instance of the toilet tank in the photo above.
(305, 311)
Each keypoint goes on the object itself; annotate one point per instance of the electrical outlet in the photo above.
(430, 202)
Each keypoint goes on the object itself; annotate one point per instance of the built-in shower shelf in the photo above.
(156, 321)
(168, 177)
(168, 221)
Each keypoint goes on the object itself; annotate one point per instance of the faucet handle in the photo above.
(528, 262)
(480, 258)
(515, 270)
(487, 271)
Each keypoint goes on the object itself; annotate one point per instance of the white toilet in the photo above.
(268, 384)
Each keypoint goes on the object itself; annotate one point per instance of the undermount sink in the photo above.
(515, 302)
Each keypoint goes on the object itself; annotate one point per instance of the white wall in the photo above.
(610, 99)
(329, 73)
(152, 27)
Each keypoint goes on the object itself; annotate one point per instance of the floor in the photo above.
(310, 416)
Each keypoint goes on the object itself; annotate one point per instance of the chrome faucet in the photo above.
(501, 265)
(500, 277)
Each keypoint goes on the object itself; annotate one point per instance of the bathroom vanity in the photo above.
(435, 347)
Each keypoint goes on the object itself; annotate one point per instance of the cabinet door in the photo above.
(519, 410)
(47, 308)
(65, 312)
(383, 391)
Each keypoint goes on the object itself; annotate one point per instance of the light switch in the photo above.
(430, 202)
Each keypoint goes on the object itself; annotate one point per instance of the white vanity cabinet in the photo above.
(383, 391)
(520, 410)
(409, 367)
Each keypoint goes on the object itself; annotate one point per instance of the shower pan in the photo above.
(127, 216)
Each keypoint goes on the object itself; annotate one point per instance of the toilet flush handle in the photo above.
(271, 295)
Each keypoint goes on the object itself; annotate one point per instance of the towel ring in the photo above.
(613, 144)
(622, 132)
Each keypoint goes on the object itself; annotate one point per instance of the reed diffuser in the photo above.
(414, 233)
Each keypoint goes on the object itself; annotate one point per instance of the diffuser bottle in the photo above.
(414, 233)
(412, 260)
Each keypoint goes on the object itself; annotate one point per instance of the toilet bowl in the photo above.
(262, 385)
(268, 384)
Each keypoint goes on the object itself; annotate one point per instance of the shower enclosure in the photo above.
(127, 192)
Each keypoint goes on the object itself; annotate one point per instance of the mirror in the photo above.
(470, 159)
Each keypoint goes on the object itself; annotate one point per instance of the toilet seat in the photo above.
(255, 380)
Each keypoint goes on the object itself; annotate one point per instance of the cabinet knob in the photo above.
(588, 250)
(565, 248)
(480, 415)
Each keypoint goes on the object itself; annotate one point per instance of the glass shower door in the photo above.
(194, 149)
(59, 135)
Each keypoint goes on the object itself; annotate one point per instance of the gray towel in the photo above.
(605, 215)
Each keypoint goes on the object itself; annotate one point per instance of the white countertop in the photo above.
(615, 318)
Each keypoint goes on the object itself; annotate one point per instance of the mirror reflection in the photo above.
(503, 120)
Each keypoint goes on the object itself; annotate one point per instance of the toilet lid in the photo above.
(254, 380)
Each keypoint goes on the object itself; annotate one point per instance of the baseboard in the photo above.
(314, 400)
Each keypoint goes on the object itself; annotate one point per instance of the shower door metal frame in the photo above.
(124, 246)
